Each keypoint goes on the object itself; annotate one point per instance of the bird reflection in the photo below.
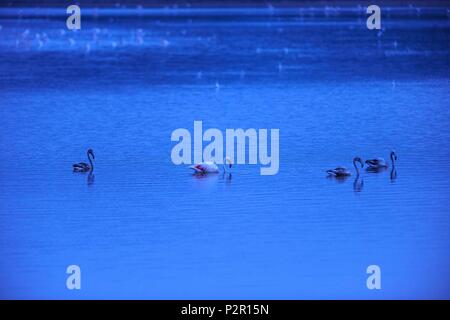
(376, 169)
(358, 184)
(90, 178)
(338, 179)
(226, 176)
(393, 174)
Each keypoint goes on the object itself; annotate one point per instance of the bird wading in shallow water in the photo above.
(211, 167)
(378, 164)
(84, 167)
(340, 172)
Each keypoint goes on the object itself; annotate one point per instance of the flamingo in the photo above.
(380, 163)
(340, 172)
(84, 167)
(211, 167)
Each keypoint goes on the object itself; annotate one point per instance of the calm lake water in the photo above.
(146, 228)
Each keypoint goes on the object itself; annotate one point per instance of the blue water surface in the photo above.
(145, 228)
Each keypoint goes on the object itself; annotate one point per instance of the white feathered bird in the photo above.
(211, 167)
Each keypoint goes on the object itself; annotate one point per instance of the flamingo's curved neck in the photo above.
(356, 167)
(90, 161)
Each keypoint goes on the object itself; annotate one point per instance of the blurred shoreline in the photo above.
(219, 4)
(304, 10)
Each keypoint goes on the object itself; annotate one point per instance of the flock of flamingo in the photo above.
(373, 165)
